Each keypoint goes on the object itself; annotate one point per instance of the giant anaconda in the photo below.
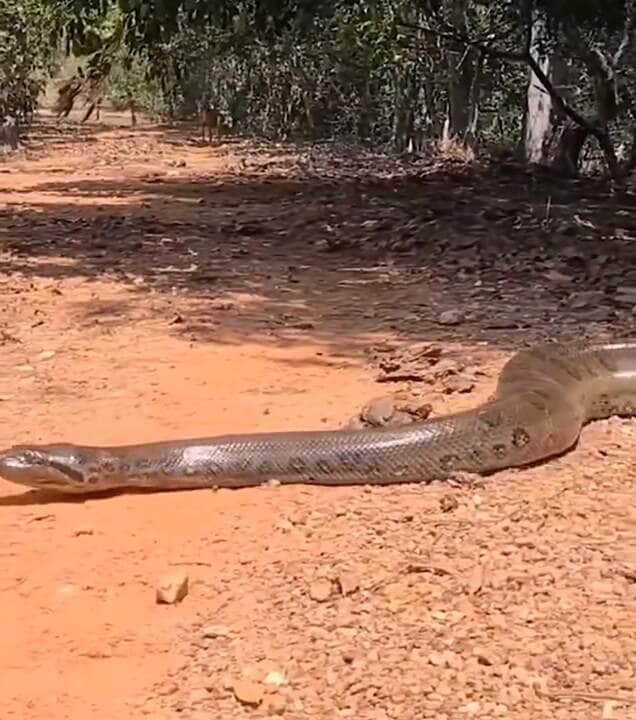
(544, 396)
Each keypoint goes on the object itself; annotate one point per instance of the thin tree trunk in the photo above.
(539, 125)
(10, 133)
(460, 73)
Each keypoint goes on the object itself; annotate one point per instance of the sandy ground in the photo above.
(154, 288)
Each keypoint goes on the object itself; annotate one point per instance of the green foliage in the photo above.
(27, 55)
(341, 76)
(326, 68)
(128, 81)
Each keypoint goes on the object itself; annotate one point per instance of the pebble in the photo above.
(321, 590)
(475, 580)
(172, 588)
(378, 411)
(45, 355)
(608, 712)
(284, 526)
(450, 317)
(215, 631)
(198, 695)
(275, 678)
(436, 659)
(169, 688)
(448, 503)
(248, 692)
(82, 530)
(348, 583)
(458, 384)
(471, 708)
(276, 704)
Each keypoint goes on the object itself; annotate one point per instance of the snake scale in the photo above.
(544, 395)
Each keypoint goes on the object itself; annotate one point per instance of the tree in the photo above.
(27, 56)
(385, 69)
(596, 36)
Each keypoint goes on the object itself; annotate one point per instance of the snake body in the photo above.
(543, 398)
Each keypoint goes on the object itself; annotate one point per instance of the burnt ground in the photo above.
(155, 288)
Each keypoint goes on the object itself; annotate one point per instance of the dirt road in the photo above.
(151, 289)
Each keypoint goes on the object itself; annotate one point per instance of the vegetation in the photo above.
(551, 80)
(27, 55)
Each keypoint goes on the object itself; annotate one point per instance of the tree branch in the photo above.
(559, 101)
(628, 32)
(453, 35)
(523, 57)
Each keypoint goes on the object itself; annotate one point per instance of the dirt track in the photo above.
(152, 288)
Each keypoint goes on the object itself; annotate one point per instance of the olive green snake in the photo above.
(544, 396)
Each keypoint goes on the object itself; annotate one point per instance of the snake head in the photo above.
(46, 467)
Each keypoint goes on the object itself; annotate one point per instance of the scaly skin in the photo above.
(544, 396)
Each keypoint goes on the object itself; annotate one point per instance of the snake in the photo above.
(543, 397)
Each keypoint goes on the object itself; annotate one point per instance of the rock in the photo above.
(321, 590)
(275, 679)
(458, 384)
(276, 704)
(82, 530)
(355, 423)
(627, 290)
(284, 526)
(557, 277)
(625, 295)
(172, 588)
(608, 712)
(45, 355)
(450, 317)
(215, 631)
(436, 659)
(378, 411)
(448, 503)
(485, 657)
(347, 583)
(462, 478)
(169, 688)
(470, 708)
(475, 580)
(198, 695)
(453, 660)
(445, 368)
(248, 692)
(401, 418)
(584, 299)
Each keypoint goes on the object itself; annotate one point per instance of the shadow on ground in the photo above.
(340, 250)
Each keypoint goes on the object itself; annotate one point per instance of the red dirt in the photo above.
(199, 300)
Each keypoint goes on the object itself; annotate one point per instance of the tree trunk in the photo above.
(131, 107)
(538, 124)
(461, 76)
(551, 139)
(566, 160)
(9, 133)
(475, 93)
